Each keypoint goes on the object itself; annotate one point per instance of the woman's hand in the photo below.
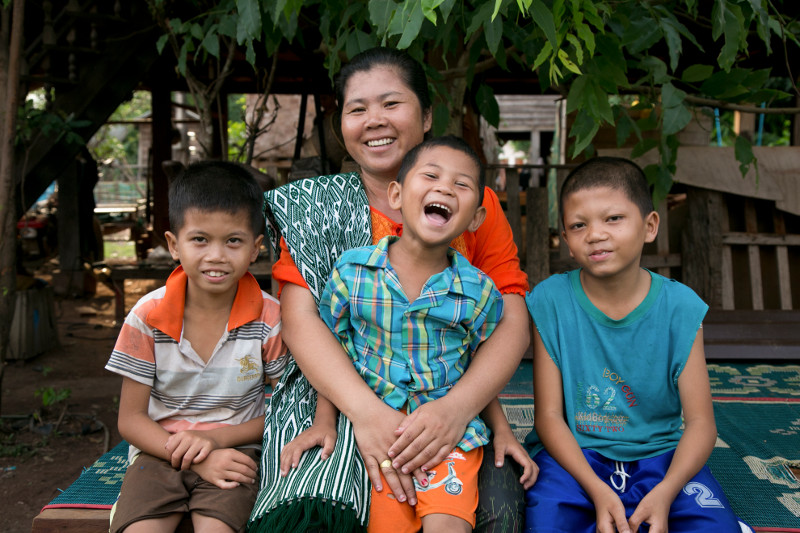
(375, 433)
(427, 436)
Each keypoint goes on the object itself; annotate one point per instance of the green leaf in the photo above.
(250, 53)
(161, 42)
(493, 32)
(697, 73)
(445, 8)
(624, 125)
(586, 34)
(497, 5)
(412, 24)
(380, 13)
(583, 129)
(544, 19)
(196, 31)
(211, 43)
(675, 119)
(429, 9)
(578, 49)
(642, 147)
(249, 26)
(671, 97)
(227, 25)
(357, 42)
(578, 94)
(656, 68)
(743, 150)
(674, 43)
(544, 55)
(567, 62)
(487, 105)
(734, 27)
(441, 118)
(660, 178)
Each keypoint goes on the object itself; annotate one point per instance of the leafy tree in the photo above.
(586, 50)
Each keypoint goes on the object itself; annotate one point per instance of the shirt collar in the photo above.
(167, 316)
(448, 280)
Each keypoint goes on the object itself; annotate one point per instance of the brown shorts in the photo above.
(152, 488)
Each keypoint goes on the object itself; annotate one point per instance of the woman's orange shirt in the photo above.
(491, 248)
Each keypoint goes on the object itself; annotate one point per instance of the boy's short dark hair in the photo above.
(215, 186)
(613, 172)
(448, 141)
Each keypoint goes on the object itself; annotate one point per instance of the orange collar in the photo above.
(167, 316)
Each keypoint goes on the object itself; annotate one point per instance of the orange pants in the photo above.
(452, 489)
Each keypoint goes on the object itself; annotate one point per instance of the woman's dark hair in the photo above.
(409, 70)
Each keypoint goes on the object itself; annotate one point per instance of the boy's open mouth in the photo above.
(438, 212)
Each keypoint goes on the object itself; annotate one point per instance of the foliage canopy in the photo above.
(673, 55)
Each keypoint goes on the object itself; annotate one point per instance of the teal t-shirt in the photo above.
(620, 377)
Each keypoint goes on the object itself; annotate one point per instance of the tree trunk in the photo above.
(11, 46)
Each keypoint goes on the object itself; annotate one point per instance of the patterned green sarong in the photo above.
(319, 218)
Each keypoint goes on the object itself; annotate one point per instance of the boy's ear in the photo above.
(256, 248)
(394, 195)
(477, 219)
(651, 226)
(172, 243)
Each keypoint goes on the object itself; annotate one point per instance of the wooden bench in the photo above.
(74, 520)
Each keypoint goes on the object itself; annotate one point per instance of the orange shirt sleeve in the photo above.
(495, 252)
(284, 270)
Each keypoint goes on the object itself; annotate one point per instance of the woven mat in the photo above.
(98, 486)
(757, 409)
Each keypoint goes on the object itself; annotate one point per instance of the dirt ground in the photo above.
(44, 449)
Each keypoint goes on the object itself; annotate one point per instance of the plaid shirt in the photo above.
(411, 353)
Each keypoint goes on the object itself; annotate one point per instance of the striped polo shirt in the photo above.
(188, 393)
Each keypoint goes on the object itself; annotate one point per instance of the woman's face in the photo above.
(381, 121)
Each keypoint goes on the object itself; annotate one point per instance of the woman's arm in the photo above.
(560, 443)
(330, 371)
(431, 432)
(694, 447)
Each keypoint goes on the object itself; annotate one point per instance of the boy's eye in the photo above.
(615, 218)
(234, 240)
(198, 239)
(431, 175)
(463, 184)
(576, 226)
(355, 110)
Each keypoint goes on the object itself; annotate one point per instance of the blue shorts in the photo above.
(557, 503)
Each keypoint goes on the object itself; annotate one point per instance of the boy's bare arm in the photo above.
(694, 447)
(134, 422)
(561, 444)
(506, 443)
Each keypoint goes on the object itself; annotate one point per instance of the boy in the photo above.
(618, 352)
(411, 311)
(193, 356)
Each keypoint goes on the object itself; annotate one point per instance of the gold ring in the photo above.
(386, 464)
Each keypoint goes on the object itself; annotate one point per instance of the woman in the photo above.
(386, 110)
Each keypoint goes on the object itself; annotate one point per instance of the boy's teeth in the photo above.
(440, 206)
(216, 274)
(380, 142)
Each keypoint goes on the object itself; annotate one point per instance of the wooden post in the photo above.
(161, 151)
(702, 244)
(782, 254)
(754, 257)
(537, 262)
(513, 209)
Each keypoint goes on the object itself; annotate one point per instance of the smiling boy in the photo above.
(410, 311)
(193, 356)
(619, 368)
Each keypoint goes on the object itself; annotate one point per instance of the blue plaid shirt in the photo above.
(411, 353)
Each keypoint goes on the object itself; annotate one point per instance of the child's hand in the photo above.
(189, 447)
(653, 509)
(316, 435)
(227, 468)
(610, 512)
(507, 444)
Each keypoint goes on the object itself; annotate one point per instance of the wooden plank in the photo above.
(537, 263)
(703, 248)
(76, 520)
(72, 521)
(760, 239)
(513, 212)
(782, 256)
(661, 262)
(754, 256)
(662, 239)
(728, 301)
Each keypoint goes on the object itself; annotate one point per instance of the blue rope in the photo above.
(716, 123)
